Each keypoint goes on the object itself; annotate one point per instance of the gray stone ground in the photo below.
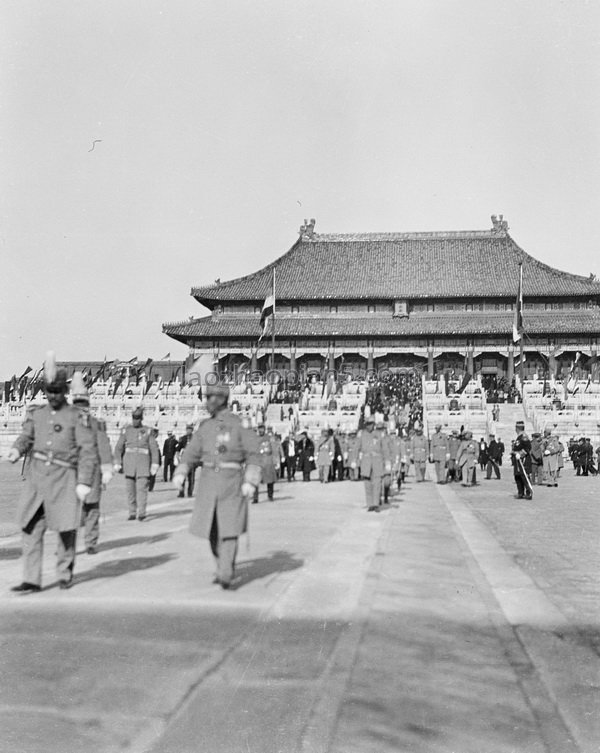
(458, 620)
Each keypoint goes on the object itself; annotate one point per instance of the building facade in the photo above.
(431, 300)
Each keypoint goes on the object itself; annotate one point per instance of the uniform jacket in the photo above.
(64, 436)
(267, 459)
(438, 446)
(419, 448)
(467, 454)
(352, 459)
(305, 452)
(453, 445)
(136, 450)
(373, 454)
(104, 459)
(326, 451)
(170, 447)
(494, 452)
(521, 447)
(221, 439)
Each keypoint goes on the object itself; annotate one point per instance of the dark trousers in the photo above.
(492, 465)
(522, 489)
(290, 464)
(33, 550)
(224, 551)
(168, 469)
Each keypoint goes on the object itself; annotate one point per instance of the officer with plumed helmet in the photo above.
(62, 452)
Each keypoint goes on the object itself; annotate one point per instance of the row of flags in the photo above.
(119, 374)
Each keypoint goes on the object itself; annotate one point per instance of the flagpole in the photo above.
(273, 327)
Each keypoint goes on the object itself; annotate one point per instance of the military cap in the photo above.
(138, 412)
(189, 426)
(468, 435)
(221, 390)
(520, 425)
(370, 420)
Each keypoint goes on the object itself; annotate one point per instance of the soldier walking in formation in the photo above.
(62, 458)
(103, 470)
(438, 453)
(419, 452)
(374, 464)
(231, 467)
(136, 454)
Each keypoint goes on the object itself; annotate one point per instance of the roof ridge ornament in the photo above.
(307, 231)
(499, 224)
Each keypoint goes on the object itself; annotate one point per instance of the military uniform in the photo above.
(90, 511)
(229, 455)
(438, 450)
(136, 451)
(550, 449)
(419, 452)
(521, 449)
(325, 455)
(374, 463)
(466, 460)
(62, 452)
(453, 445)
(267, 465)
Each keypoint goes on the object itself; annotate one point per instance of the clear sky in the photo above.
(150, 146)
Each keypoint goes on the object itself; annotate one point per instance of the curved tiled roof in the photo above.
(464, 323)
(402, 265)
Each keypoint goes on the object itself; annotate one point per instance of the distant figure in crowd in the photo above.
(152, 479)
(521, 460)
(419, 452)
(466, 459)
(191, 477)
(103, 470)
(453, 445)
(136, 454)
(169, 452)
(325, 455)
(550, 449)
(306, 455)
(267, 465)
(59, 475)
(537, 459)
(231, 468)
(494, 458)
(439, 453)
(288, 447)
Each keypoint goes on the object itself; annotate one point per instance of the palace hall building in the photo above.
(434, 300)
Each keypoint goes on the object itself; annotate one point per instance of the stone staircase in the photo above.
(510, 413)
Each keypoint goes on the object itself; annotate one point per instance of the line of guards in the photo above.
(379, 457)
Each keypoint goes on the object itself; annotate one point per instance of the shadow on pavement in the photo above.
(278, 562)
(10, 553)
(121, 567)
(155, 515)
(132, 541)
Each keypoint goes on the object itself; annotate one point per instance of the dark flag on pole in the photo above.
(465, 381)
(518, 320)
(266, 314)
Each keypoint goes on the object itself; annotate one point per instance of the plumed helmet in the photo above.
(79, 392)
(55, 379)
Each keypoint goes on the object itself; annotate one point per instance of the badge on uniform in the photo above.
(58, 427)
(222, 439)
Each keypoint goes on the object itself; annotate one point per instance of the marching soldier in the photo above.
(466, 459)
(521, 460)
(374, 464)
(419, 452)
(136, 454)
(231, 467)
(59, 478)
(90, 511)
(438, 453)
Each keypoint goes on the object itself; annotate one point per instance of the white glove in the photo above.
(13, 455)
(106, 477)
(117, 467)
(248, 489)
(82, 490)
(546, 452)
(154, 469)
(178, 481)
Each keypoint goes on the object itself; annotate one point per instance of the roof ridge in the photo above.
(410, 235)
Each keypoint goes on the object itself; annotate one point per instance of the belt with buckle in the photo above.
(141, 450)
(49, 459)
(224, 464)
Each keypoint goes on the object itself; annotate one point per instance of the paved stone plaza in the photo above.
(456, 621)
